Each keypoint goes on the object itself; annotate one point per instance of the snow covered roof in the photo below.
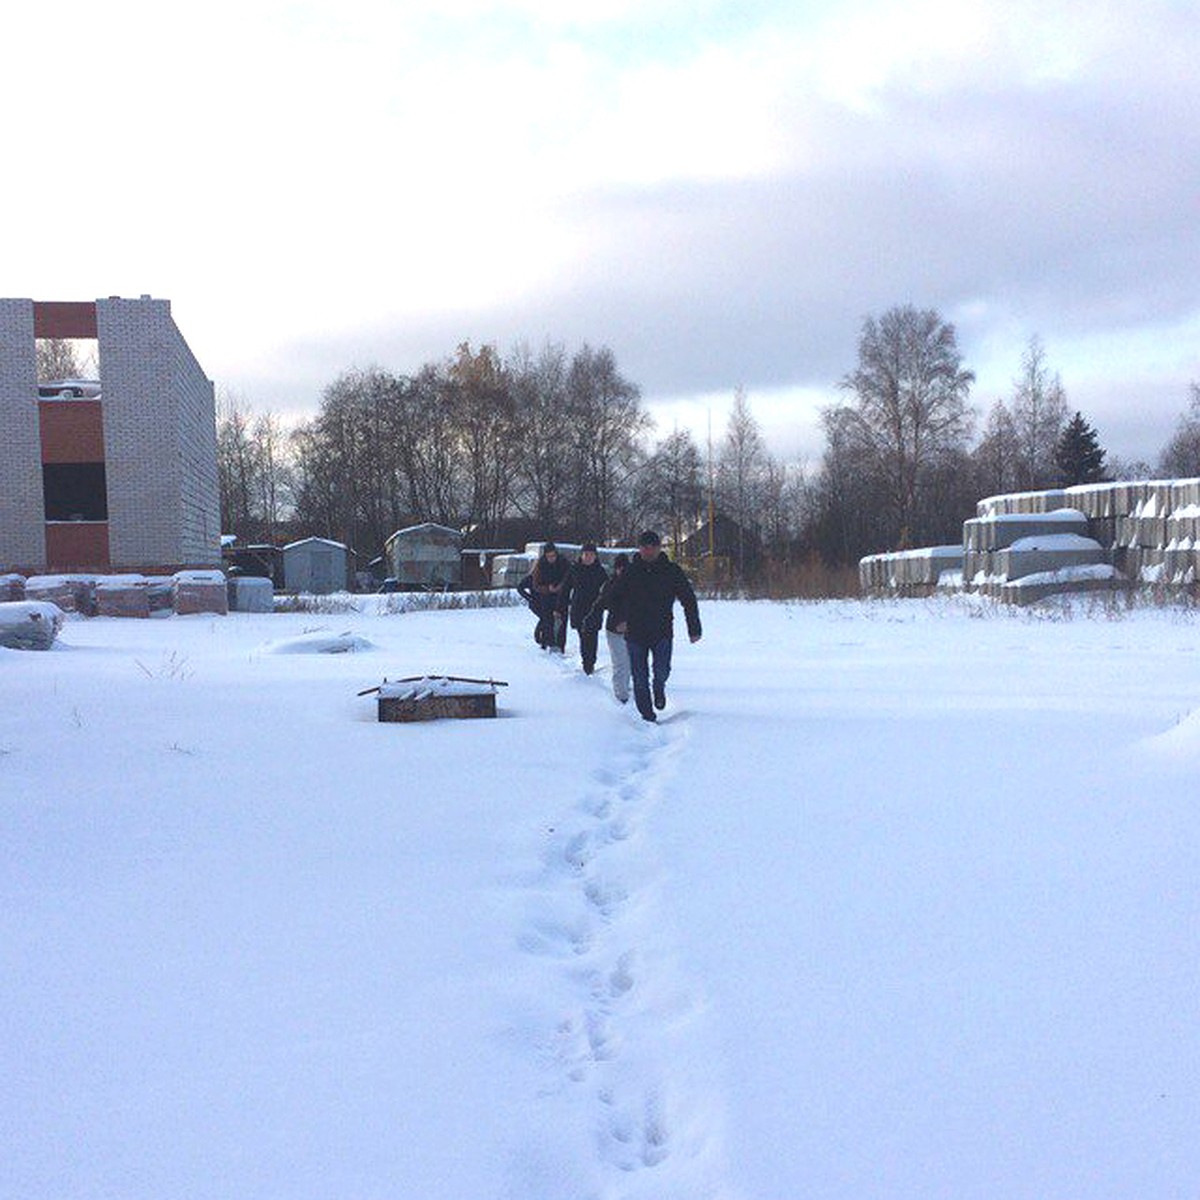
(426, 527)
(308, 541)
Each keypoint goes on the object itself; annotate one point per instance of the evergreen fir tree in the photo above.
(1078, 454)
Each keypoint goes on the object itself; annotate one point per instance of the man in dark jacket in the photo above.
(580, 589)
(648, 589)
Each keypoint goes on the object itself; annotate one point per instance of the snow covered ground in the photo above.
(902, 901)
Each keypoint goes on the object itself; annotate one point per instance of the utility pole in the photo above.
(710, 488)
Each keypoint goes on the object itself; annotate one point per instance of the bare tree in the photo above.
(910, 407)
(997, 458)
(606, 421)
(740, 469)
(849, 515)
(485, 415)
(63, 358)
(1181, 455)
(236, 468)
(543, 470)
(671, 492)
(1039, 412)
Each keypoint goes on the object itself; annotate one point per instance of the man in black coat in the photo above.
(580, 589)
(648, 589)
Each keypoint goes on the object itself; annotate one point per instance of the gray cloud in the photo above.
(1062, 208)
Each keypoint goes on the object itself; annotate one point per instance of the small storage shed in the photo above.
(262, 560)
(425, 556)
(315, 565)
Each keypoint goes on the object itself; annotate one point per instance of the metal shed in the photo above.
(425, 556)
(315, 565)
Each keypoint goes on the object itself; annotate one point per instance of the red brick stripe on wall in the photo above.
(72, 431)
(64, 318)
(76, 545)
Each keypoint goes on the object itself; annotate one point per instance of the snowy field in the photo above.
(902, 901)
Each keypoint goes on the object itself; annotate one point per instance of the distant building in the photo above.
(316, 565)
(425, 556)
(256, 559)
(113, 474)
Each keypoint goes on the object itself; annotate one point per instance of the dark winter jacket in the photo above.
(580, 589)
(648, 590)
(543, 585)
(616, 611)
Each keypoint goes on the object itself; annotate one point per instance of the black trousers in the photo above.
(587, 647)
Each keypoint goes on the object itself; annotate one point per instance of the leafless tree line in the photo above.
(562, 442)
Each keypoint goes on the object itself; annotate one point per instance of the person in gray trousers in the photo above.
(614, 629)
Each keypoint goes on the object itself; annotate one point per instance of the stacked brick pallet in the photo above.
(122, 595)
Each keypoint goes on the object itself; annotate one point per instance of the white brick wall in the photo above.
(160, 439)
(22, 517)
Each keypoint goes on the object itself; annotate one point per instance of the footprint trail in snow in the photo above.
(626, 1017)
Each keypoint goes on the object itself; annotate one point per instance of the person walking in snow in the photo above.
(541, 589)
(648, 589)
(582, 585)
(614, 629)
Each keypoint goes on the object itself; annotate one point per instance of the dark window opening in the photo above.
(74, 492)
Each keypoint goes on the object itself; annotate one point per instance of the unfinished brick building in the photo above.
(126, 481)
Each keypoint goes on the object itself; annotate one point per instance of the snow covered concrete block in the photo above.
(251, 593)
(1064, 582)
(1051, 552)
(122, 596)
(1002, 530)
(909, 572)
(29, 624)
(71, 593)
(201, 592)
(12, 587)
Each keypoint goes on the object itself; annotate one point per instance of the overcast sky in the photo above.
(719, 191)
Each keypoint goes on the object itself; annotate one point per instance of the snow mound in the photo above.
(321, 642)
(1181, 742)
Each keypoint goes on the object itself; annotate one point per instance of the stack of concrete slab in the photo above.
(1089, 537)
(911, 572)
(12, 587)
(1030, 588)
(986, 538)
(71, 593)
(122, 596)
(1048, 552)
(201, 592)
